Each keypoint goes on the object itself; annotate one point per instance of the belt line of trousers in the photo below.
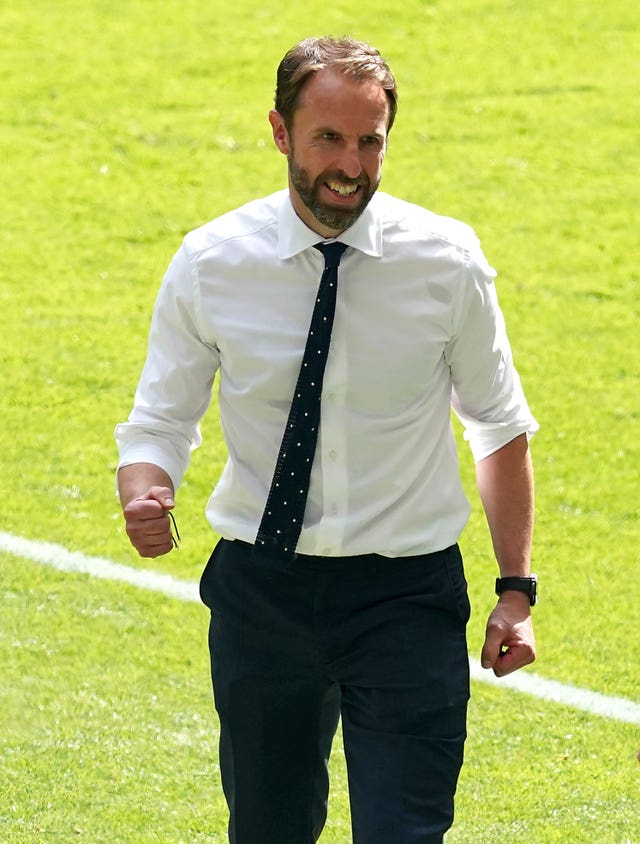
(379, 642)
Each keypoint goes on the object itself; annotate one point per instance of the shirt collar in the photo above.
(295, 236)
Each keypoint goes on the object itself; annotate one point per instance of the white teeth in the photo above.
(343, 190)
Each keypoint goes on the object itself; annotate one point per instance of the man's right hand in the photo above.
(147, 522)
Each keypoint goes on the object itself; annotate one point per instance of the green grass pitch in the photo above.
(124, 126)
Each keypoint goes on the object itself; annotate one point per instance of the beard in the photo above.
(308, 189)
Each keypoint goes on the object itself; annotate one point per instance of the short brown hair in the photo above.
(353, 58)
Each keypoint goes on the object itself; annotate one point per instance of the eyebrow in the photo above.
(322, 129)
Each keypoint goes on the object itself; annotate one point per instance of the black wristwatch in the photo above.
(529, 585)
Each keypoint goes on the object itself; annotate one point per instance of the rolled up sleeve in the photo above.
(487, 394)
(175, 386)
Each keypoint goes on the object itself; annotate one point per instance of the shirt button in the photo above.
(333, 454)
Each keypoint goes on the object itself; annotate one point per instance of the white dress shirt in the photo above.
(417, 330)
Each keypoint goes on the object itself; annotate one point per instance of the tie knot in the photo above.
(332, 253)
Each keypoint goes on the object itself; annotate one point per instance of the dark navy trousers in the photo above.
(379, 642)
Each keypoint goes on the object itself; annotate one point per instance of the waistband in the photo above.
(354, 564)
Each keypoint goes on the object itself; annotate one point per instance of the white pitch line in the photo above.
(49, 554)
(615, 708)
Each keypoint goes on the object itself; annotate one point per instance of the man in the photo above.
(358, 606)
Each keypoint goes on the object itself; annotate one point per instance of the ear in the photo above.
(280, 132)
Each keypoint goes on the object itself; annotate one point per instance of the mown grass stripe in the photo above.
(58, 557)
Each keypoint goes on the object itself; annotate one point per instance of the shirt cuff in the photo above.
(486, 438)
(136, 446)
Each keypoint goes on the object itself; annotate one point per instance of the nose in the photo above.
(349, 161)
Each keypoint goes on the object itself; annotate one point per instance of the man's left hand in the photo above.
(509, 643)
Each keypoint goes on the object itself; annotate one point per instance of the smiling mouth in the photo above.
(342, 189)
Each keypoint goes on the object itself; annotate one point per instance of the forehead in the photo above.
(330, 97)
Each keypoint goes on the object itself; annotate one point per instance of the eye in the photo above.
(329, 136)
(371, 141)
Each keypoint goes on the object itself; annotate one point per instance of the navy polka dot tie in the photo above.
(284, 512)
